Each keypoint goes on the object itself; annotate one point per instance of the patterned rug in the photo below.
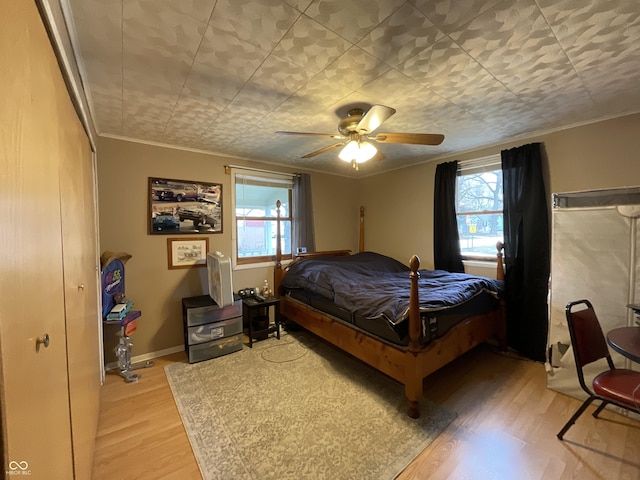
(298, 408)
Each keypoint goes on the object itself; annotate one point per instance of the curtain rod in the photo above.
(227, 170)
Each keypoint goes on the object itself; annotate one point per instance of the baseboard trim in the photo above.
(160, 353)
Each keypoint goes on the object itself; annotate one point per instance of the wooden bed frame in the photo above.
(407, 364)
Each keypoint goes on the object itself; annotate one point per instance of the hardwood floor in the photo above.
(506, 428)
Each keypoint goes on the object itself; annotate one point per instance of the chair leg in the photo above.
(573, 419)
(600, 408)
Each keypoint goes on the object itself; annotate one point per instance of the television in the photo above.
(219, 277)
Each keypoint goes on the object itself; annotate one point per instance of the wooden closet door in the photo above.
(80, 263)
(34, 388)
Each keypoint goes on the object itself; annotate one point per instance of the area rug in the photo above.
(298, 408)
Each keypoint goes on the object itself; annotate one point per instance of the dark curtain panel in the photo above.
(303, 232)
(527, 250)
(446, 241)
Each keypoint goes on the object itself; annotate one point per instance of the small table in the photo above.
(626, 341)
(252, 308)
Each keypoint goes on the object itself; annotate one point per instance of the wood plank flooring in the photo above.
(506, 428)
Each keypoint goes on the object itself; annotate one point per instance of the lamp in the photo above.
(357, 152)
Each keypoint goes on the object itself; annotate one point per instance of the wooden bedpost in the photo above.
(414, 306)
(413, 378)
(502, 331)
(277, 271)
(361, 239)
(499, 265)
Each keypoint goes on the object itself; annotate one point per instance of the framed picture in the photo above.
(184, 206)
(187, 252)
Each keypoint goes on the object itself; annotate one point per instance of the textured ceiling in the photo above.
(224, 75)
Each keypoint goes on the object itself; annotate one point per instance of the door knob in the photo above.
(81, 286)
(44, 341)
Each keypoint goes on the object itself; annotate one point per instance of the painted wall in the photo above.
(398, 210)
(123, 171)
(594, 156)
(399, 213)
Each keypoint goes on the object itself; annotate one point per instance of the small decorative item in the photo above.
(187, 253)
(184, 206)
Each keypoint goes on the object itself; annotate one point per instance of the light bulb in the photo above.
(358, 151)
(366, 152)
(349, 152)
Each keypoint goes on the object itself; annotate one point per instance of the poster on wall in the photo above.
(184, 206)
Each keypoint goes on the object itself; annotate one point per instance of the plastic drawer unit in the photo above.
(209, 330)
(214, 331)
(217, 348)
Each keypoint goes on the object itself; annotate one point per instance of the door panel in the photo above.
(35, 401)
(81, 288)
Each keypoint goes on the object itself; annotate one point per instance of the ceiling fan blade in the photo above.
(374, 118)
(309, 134)
(411, 138)
(322, 150)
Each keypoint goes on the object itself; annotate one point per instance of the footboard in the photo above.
(408, 365)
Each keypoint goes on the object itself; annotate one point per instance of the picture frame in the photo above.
(187, 252)
(184, 207)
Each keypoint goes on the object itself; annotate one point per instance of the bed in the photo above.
(401, 320)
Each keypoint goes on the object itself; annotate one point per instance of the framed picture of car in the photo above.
(188, 252)
(184, 207)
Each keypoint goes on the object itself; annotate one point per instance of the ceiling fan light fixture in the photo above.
(366, 152)
(358, 126)
(357, 151)
(349, 152)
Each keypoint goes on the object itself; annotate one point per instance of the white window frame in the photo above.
(276, 178)
(469, 167)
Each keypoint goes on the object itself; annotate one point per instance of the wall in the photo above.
(600, 155)
(594, 156)
(123, 171)
(400, 202)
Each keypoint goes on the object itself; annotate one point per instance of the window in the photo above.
(255, 197)
(479, 207)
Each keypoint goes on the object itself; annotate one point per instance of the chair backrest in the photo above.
(587, 338)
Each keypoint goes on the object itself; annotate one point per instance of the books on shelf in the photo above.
(119, 311)
(126, 320)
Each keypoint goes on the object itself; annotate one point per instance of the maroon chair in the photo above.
(616, 386)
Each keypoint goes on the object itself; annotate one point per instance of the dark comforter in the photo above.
(373, 285)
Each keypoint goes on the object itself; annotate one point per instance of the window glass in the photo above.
(479, 210)
(255, 217)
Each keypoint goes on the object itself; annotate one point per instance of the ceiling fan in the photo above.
(358, 127)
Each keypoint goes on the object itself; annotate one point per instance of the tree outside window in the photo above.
(479, 210)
